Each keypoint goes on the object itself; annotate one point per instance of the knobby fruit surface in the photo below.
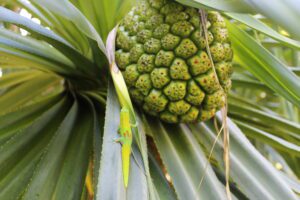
(161, 51)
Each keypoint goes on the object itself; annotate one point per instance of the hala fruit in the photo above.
(161, 51)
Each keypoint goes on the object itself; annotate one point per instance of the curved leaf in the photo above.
(82, 63)
(41, 185)
(265, 117)
(21, 117)
(15, 78)
(272, 140)
(21, 153)
(33, 46)
(19, 95)
(70, 12)
(264, 65)
(249, 169)
(229, 6)
(258, 25)
(105, 14)
(162, 186)
(274, 11)
(185, 162)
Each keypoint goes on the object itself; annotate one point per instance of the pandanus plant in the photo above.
(157, 72)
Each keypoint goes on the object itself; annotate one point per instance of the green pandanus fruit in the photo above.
(161, 51)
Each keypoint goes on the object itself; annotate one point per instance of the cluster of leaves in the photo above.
(59, 111)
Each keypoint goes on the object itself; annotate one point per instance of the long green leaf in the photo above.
(162, 186)
(42, 184)
(265, 117)
(63, 27)
(272, 140)
(16, 120)
(274, 11)
(12, 79)
(232, 5)
(277, 9)
(83, 64)
(264, 65)
(12, 57)
(34, 47)
(249, 84)
(21, 154)
(78, 153)
(258, 25)
(19, 95)
(34, 11)
(98, 120)
(249, 169)
(105, 14)
(185, 162)
(70, 12)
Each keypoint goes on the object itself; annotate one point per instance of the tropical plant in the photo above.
(60, 108)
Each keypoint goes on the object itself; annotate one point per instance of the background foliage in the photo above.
(59, 108)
